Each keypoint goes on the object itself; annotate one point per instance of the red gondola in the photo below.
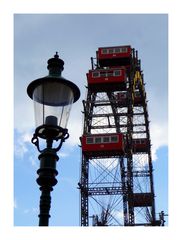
(103, 144)
(112, 78)
(114, 56)
(140, 145)
(137, 98)
(121, 98)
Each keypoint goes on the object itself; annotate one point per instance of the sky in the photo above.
(145, 41)
(76, 37)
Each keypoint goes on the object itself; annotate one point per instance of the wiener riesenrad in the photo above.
(116, 182)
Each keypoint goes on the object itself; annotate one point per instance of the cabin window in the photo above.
(95, 74)
(103, 74)
(117, 73)
(117, 50)
(137, 94)
(124, 50)
(143, 141)
(98, 140)
(109, 74)
(106, 74)
(104, 51)
(114, 139)
(105, 139)
(90, 140)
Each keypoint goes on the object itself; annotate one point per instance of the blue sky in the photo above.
(76, 37)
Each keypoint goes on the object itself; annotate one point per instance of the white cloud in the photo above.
(32, 210)
(75, 125)
(23, 146)
(159, 137)
(22, 140)
(118, 215)
(20, 148)
(33, 161)
(26, 137)
(140, 161)
(63, 154)
(110, 164)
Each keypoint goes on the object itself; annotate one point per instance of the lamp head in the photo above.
(53, 96)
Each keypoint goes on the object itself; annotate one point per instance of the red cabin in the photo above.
(137, 98)
(114, 56)
(112, 78)
(140, 145)
(104, 145)
(122, 98)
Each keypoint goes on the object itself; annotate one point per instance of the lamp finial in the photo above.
(55, 65)
(56, 55)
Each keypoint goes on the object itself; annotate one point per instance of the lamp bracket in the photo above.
(48, 133)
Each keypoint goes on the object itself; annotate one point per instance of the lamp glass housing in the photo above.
(52, 103)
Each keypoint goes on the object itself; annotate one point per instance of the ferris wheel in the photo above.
(116, 181)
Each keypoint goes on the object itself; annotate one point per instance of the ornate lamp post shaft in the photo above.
(46, 180)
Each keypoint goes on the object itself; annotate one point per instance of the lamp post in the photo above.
(53, 97)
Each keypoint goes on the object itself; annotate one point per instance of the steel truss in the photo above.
(118, 190)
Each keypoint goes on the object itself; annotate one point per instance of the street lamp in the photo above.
(53, 97)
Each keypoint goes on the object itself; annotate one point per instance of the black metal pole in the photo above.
(45, 205)
(46, 180)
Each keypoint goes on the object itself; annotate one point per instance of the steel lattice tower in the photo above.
(116, 186)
